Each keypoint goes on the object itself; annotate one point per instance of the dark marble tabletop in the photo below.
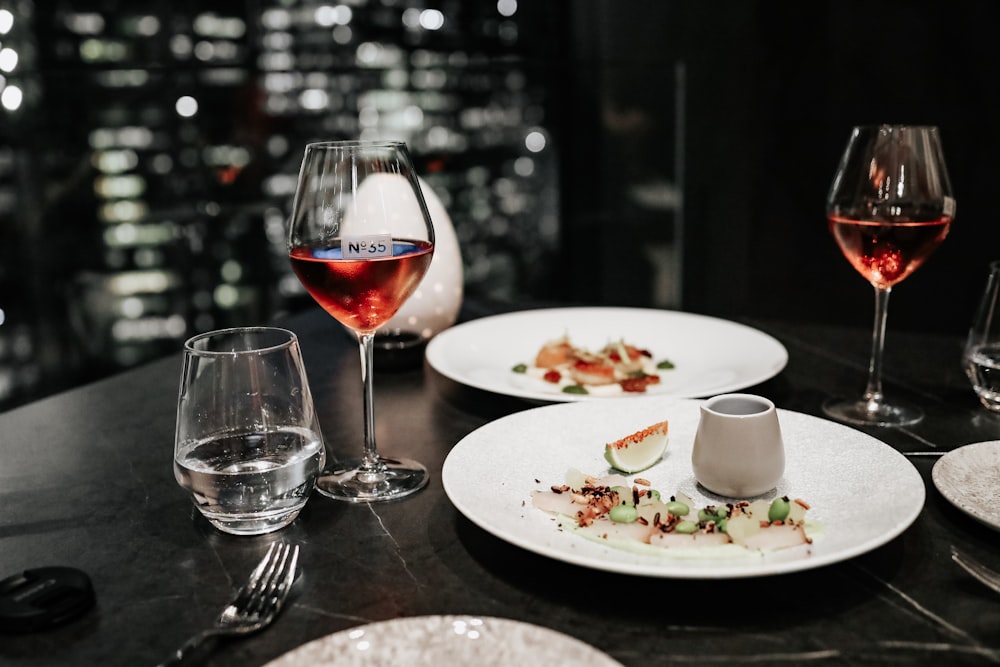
(86, 481)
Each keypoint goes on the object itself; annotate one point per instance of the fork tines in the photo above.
(268, 585)
(983, 574)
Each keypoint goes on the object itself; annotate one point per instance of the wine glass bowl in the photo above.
(360, 239)
(889, 208)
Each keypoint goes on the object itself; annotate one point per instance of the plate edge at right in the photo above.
(953, 495)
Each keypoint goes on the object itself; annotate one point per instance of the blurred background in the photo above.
(651, 153)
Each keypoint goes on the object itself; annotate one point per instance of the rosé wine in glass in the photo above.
(890, 206)
(886, 252)
(361, 294)
(360, 239)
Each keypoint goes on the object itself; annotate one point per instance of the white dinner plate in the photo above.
(710, 355)
(861, 491)
(445, 641)
(969, 478)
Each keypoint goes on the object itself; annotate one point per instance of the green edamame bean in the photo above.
(686, 527)
(677, 508)
(778, 511)
(710, 513)
(624, 513)
(654, 494)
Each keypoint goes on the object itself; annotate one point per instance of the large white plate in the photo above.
(969, 478)
(863, 492)
(445, 641)
(711, 356)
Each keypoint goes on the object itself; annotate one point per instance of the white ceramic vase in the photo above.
(434, 306)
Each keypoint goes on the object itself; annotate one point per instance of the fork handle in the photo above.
(188, 649)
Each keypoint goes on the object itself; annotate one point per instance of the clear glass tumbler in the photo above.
(248, 444)
(982, 349)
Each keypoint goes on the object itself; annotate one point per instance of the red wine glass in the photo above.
(890, 206)
(360, 239)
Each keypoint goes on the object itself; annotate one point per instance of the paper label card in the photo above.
(366, 247)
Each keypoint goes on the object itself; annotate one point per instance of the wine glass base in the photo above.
(349, 480)
(872, 413)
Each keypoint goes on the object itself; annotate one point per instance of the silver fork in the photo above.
(985, 575)
(256, 604)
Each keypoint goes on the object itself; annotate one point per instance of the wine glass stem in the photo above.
(873, 392)
(370, 461)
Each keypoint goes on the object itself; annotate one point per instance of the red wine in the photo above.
(362, 294)
(887, 252)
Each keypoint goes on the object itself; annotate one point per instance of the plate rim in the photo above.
(955, 496)
(714, 569)
(386, 625)
(434, 356)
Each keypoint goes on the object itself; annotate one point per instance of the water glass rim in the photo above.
(894, 127)
(356, 143)
(287, 339)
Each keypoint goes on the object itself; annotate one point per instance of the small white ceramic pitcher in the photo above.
(738, 451)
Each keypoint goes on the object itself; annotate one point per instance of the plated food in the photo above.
(710, 355)
(490, 475)
(631, 514)
(615, 368)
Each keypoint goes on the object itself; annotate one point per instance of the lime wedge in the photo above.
(639, 450)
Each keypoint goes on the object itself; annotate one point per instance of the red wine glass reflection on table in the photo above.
(360, 239)
(889, 208)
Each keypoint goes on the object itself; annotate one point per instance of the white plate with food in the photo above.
(445, 641)
(969, 478)
(861, 492)
(706, 355)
